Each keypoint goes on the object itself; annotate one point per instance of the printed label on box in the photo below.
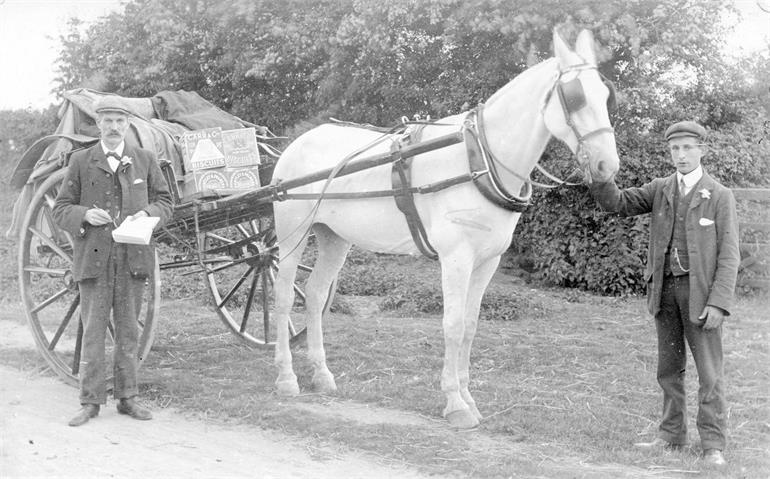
(210, 180)
(203, 149)
(244, 178)
(240, 147)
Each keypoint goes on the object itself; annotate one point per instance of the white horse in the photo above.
(467, 230)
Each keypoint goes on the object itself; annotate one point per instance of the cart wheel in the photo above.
(50, 296)
(241, 262)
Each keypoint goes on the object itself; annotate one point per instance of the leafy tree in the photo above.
(291, 64)
(19, 129)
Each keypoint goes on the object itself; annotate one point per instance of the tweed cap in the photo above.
(111, 103)
(685, 128)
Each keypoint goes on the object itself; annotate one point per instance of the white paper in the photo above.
(136, 231)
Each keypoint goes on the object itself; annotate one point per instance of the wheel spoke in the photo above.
(78, 347)
(111, 330)
(50, 199)
(243, 231)
(230, 264)
(236, 286)
(50, 300)
(305, 268)
(50, 243)
(247, 309)
(55, 272)
(64, 323)
(265, 304)
(219, 238)
(299, 292)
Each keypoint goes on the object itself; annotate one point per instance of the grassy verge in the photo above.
(564, 379)
(575, 385)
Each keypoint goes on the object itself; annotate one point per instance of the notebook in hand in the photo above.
(136, 231)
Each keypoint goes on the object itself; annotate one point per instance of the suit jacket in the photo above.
(90, 182)
(712, 236)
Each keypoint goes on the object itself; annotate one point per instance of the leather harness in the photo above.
(483, 174)
(481, 161)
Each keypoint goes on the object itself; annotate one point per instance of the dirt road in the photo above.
(35, 440)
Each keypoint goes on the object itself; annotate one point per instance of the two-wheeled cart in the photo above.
(228, 236)
(233, 246)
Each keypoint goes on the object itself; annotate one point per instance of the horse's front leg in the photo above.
(455, 279)
(286, 383)
(332, 250)
(480, 279)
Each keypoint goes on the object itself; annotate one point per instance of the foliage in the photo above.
(292, 64)
(410, 286)
(19, 129)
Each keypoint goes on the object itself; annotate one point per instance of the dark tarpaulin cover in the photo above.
(192, 111)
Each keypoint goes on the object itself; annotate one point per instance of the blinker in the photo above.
(574, 98)
(571, 93)
(612, 102)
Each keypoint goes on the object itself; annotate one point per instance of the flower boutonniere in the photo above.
(125, 162)
(705, 194)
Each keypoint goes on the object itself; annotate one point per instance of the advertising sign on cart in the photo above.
(240, 147)
(203, 149)
(221, 162)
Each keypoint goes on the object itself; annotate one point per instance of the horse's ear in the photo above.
(560, 50)
(585, 46)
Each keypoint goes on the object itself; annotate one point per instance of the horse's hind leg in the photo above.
(286, 383)
(480, 278)
(332, 251)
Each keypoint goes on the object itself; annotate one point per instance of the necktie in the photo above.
(682, 190)
(113, 159)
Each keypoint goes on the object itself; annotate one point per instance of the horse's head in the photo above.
(575, 109)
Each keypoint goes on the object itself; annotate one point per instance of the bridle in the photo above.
(572, 98)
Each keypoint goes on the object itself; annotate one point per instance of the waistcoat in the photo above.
(678, 259)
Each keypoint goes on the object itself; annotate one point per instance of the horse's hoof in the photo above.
(287, 388)
(324, 383)
(475, 411)
(462, 419)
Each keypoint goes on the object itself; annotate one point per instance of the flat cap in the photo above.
(685, 128)
(111, 103)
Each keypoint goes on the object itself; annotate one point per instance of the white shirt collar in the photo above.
(690, 179)
(118, 150)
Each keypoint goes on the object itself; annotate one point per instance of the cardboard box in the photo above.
(203, 149)
(240, 148)
(243, 178)
(222, 181)
(204, 181)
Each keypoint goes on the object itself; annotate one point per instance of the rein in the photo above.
(479, 124)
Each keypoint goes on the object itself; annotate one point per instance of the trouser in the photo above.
(118, 291)
(674, 327)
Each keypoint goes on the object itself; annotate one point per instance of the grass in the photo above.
(571, 387)
(565, 379)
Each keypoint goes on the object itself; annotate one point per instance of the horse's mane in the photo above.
(521, 77)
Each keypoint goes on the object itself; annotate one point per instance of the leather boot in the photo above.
(87, 412)
(130, 407)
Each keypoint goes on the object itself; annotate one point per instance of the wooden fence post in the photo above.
(755, 254)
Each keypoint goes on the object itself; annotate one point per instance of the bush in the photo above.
(573, 243)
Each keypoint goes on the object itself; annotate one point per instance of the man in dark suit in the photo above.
(692, 266)
(106, 184)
